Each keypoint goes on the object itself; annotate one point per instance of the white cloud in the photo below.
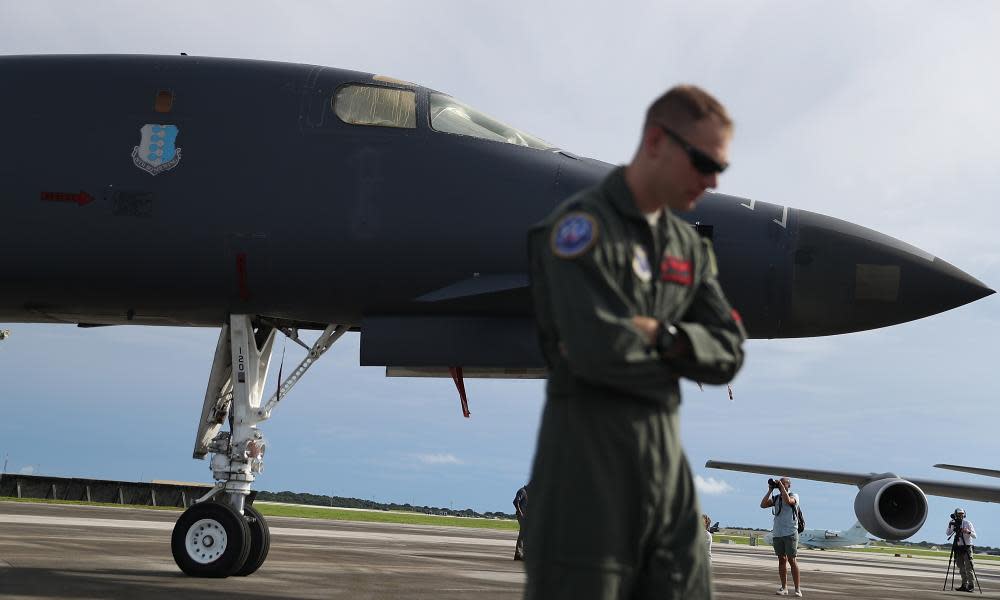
(438, 459)
(27, 470)
(711, 486)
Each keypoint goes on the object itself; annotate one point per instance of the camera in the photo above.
(772, 482)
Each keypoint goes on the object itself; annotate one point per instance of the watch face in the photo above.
(666, 339)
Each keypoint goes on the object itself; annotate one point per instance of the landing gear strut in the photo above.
(221, 534)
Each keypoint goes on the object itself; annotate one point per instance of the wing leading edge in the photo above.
(963, 491)
(975, 470)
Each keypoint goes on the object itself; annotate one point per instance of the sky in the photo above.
(882, 114)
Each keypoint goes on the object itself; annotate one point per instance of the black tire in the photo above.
(198, 535)
(260, 541)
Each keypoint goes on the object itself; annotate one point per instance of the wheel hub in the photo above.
(206, 541)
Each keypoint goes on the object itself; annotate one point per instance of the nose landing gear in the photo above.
(221, 534)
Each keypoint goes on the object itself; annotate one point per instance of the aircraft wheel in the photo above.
(260, 541)
(210, 540)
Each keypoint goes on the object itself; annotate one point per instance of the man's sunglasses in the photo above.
(703, 163)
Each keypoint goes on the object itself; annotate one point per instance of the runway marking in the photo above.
(275, 531)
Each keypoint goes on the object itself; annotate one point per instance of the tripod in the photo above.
(956, 550)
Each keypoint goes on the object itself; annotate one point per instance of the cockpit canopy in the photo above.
(451, 116)
(360, 104)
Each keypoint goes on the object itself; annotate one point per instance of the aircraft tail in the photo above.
(857, 528)
(857, 532)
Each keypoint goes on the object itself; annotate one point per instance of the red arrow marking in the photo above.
(80, 199)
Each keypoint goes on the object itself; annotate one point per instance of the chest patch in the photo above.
(573, 235)
(676, 270)
(640, 264)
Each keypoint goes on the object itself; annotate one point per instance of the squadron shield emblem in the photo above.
(640, 265)
(573, 235)
(157, 150)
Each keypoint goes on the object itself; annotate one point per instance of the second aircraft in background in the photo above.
(825, 539)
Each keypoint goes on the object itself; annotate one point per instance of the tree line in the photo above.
(341, 502)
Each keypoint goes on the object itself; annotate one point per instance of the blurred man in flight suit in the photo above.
(627, 302)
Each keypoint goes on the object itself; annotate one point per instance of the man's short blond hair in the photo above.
(682, 105)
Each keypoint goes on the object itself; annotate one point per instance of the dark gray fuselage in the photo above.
(279, 208)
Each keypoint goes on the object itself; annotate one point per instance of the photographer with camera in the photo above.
(964, 533)
(785, 532)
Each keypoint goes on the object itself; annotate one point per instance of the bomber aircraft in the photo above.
(263, 197)
(888, 505)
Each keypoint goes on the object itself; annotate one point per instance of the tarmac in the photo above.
(87, 552)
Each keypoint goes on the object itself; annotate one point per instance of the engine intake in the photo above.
(891, 508)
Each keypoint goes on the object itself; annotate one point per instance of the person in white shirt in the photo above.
(708, 533)
(963, 547)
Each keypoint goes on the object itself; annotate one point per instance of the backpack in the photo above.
(797, 515)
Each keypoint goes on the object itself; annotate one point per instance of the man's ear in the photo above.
(651, 137)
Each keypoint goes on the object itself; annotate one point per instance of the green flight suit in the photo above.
(614, 511)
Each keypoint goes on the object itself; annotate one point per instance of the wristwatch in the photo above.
(666, 336)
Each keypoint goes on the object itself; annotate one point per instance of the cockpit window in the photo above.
(376, 105)
(451, 116)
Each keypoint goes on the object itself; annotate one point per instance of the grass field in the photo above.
(919, 552)
(380, 516)
(320, 512)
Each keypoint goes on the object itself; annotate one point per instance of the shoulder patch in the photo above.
(573, 234)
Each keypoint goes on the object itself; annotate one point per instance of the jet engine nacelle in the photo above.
(891, 508)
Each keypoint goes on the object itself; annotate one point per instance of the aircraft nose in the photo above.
(851, 278)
